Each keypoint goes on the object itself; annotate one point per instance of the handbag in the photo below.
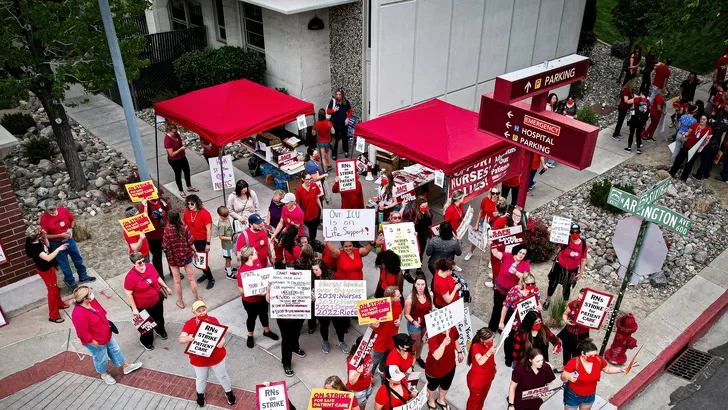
(333, 104)
(113, 328)
(161, 291)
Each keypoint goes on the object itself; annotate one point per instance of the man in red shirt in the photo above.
(659, 78)
(137, 243)
(59, 223)
(657, 111)
(307, 196)
(720, 68)
(257, 237)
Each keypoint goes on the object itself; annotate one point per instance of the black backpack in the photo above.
(641, 111)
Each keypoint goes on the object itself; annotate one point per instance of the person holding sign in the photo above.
(695, 134)
(349, 262)
(533, 335)
(569, 265)
(532, 374)
(421, 215)
(323, 130)
(290, 333)
(390, 273)
(385, 199)
(352, 199)
(581, 376)
(402, 355)
(525, 290)
(482, 368)
(335, 383)
(513, 265)
(319, 271)
(487, 214)
(179, 246)
(394, 392)
(440, 366)
(573, 334)
(307, 195)
(385, 331)
(360, 378)
(506, 220)
(137, 243)
(416, 306)
(201, 364)
(199, 220)
(454, 212)
(143, 288)
(444, 286)
(255, 305)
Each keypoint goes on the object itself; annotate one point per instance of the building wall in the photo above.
(159, 20)
(454, 49)
(346, 51)
(12, 235)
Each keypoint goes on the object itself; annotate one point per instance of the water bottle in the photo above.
(576, 374)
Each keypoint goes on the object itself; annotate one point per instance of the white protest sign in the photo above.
(226, 175)
(271, 397)
(346, 171)
(439, 178)
(697, 147)
(443, 319)
(255, 282)
(560, 228)
(290, 294)
(402, 239)
(360, 144)
(539, 392)
(199, 260)
(465, 222)
(143, 323)
(506, 331)
(349, 224)
(416, 403)
(206, 339)
(465, 331)
(159, 119)
(526, 305)
(403, 189)
(478, 238)
(365, 347)
(339, 297)
(506, 238)
(593, 309)
(301, 122)
(3, 257)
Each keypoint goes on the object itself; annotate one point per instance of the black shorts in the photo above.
(443, 382)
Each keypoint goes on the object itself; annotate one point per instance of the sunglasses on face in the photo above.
(139, 263)
(531, 284)
(495, 193)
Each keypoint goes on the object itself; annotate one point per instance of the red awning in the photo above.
(229, 112)
(435, 134)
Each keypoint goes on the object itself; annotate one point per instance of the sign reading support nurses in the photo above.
(479, 177)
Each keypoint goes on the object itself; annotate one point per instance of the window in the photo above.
(185, 14)
(253, 28)
(220, 21)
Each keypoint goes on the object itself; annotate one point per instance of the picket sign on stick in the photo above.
(506, 331)
(365, 347)
(465, 223)
(346, 171)
(137, 224)
(443, 319)
(143, 322)
(322, 399)
(271, 397)
(593, 310)
(374, 310)
(140, 191)
(465, 331)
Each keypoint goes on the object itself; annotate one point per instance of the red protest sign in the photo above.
(137, 224)
(593, 309)
(374, 310)
(141, 191)
(273, 396)
(480, 176)
(143, 322)
(506, 237)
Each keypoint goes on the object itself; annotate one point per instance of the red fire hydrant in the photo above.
(617, 352)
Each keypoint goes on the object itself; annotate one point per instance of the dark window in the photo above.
(253, 26)
(185, 14)
(220, 16)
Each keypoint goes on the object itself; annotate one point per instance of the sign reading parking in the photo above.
(540, 78)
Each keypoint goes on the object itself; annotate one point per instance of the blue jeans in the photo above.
(531, 182)
(362, 396)
(706, 161)
(103, 353)
(62, 260)
(573, 400)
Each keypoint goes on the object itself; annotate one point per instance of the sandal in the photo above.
(431, 407)
(182, 194)
(191, 189)
(180, 304)
(59, 320)
(442, 406)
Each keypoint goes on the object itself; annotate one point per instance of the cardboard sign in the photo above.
(506, 237)
(443, 319)
(290, 294)
(478, 238)
(3, 319)
(271, 397)
(206, 339)
(465, 223)
(225, 175)
(349, 225)
(465, 331)
(199, 260)
(141, 190)
(560, 230)
(137, 224)
(593, 309)
(539, 392)
(255, 282)
(403, 189)
(479, 177)
(402, 239)
(339, 297)
(322, 399)
(435, 229)
(288, 159)
(506, 331)
(525, 306)
(346, 171)
(360, 144)
(374, 310)
(416, 403)
(301, 122)
(365, 347)
(143, 323)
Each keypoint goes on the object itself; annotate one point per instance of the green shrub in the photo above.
(165, 95)
(283, 90)
(555, 318)
(599, 194)
(38, 148)
(587, 115)
(17, 123)
(201, 69)
(12, 95)
(620, 49)
(536, 238)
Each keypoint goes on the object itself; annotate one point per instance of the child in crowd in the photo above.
(225, 233)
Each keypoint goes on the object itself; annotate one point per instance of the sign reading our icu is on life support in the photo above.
(346, 171)
(349, 224)
(339, 297)
(593, 310)
(402, 239)
(206, 339)
(290, 294)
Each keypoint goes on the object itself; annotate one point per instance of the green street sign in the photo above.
(653, 213)
(655, 193)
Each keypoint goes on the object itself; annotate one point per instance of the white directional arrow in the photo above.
(510, 114)
(508, 125)
(507, 134)
(527, 87)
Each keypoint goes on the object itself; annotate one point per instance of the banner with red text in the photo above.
(479, 177)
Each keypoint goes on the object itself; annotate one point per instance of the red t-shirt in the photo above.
(292, 257)
(387, 330)
(696, 135)
(441, 286)
(353, 199)
(487, 207)
(626, 92)
(145, 294)
(479, 376)
(294, 217)
(212, 152)
(174, 144)
(130, 240)
(218, 354)
(384, 397)
(535, 161)
(348, 267)
(440, 368)
(721, 66)
(662, 73)
(386, 280)
(403, 363)
(329, 260)
(365, 379)
(323, 131)
(586, 383)
(258, 240)
(659, 101)
(454, 214)
(196, 221)
(308, 200)
(246, 268)
(571, 256)
(58, 224)
(158, 231)
(507, 280)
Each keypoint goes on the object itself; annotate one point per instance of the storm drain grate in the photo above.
(689, 364)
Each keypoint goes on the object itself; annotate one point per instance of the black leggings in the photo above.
(312, 226)
(340, 325)
(559, 275)
(290, 331)
(256, 310)
(570, 343)
(179, 166)
(498, 299)
(682, 156)
(514, 193)
(638, 130)
(344, 137)
(155, 248)
(621, 114)
(200, 246)
(156, 312)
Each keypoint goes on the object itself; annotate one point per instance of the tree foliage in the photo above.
(633, 17)
(212, 66)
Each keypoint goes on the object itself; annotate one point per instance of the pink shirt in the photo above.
(294, 217)
(144, 286)
(506, 280)
(91, 324)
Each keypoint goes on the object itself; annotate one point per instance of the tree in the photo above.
(47, 45)
(633, 17)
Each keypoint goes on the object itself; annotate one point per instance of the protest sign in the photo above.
(435, 229)
(255, 282)
(143, 322)
(402, 239)
(560, 229)
(199, 260)
(477, 178)
(593, 309)
(478, 238)
(416, 403)
(288, 160)
(506, 331)
(141, 190)
(137, 224)
(443, 319)
(374, 310)
(365, 347)
(225, 175)
(526, 306)
(290, 294)
(360, 144)
(271, 397)
(3, 257)
(506, 238)
(402, 189)
(539, 392)
(322, 399)
(346, 171)
(692, 151)
(206, 339)
(465, 331)
(465, 222)
(339, 297)
(349, 224)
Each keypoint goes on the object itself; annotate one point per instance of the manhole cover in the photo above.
(689, 364)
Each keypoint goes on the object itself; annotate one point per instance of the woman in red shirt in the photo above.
(499, 223)
(583, 374)
(482, 368)
(323, 129)
(626, 99)
(390, 273)
(696, 132)
(201, 364)
(402, 355)
(454, 213)
(444, 287)
(394, 392)
(142, 286)
(176, 158)
(348, 259)
(319, 271)
(513, 265)
(569, 265)
(199, 220)
(291, 249)
(307, 196)
(360, 378)
(255, 305)
(179, 246)
(440, 366)
(573, 334)
(385, 331)
(353, 199)
(335, 383)
(416, 306)
(487, 214)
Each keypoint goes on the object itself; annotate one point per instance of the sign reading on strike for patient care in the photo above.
(506, 237)
(365, 347)
(349, 224)
(141, 190)
(593, 309)
(477, 178)
(526, 306)
(416, 403)
(225, 175)
(271, 397)
(339, 297)
(374, 310)
(443, 319)
(402, 239)
(322, 399)
(137, 224)
(560, 229)
(346, 171)
(290, 294)
(255, 282)
(206, 339)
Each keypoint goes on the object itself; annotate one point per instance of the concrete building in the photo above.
(386, 54)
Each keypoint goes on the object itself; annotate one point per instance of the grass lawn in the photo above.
(606, 31)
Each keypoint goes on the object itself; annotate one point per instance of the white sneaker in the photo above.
(132, 367)
(468, 256)
(457, 268)
(489, 284)
(490, 274)
(108, 379)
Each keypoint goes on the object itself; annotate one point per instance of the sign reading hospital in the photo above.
(477, 178)
(540, 78)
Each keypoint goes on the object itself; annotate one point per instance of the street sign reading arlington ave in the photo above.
(652, 195)
(540, 78)
(653, 213)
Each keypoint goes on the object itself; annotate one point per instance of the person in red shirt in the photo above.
(696, 132)
(573, 334)
(659, 78)
(323, 130)
(390, 273)
(444, 287)
(143, 288)
(201, 364)
(569, 266)
(353, 199)
(393, 393)
(537, 162)
(582, 387)
(360, 378)
(349, 265)
(335, 383)
(657, 111)
(94, 331)
(487, 214)
(58, 222)
(291, 248)
(626, 99)
(402, 355)
(199, 220)
(255, 305)
(500, 223)
(307, 196)
(416, 306)
(137, 243)
(36, 247)
(454, 212)
(482, 368)
(720, 68)
(209, 150)
(157, 210)
(386, 330)
(292, 214)
(512, 267)
(440, 365)
(176, 158)
(256, 236)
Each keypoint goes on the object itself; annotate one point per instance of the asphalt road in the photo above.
(712, 393)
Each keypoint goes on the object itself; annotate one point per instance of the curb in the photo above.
(695, 331)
